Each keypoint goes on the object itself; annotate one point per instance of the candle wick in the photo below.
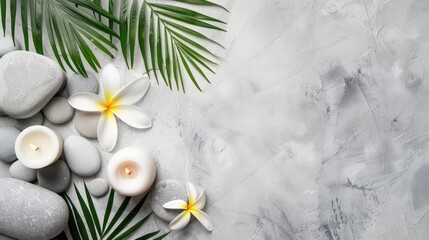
(34, 147)
(128, 172)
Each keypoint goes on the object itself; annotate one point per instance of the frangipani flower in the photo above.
(193, 206)
(114, 101)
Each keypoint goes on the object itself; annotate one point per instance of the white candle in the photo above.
(38, 146)
(131, 171)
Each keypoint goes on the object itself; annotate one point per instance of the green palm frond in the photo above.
(171, 46)
(168, 35)
(79, 226)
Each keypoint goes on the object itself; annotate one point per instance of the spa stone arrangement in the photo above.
(33, 90)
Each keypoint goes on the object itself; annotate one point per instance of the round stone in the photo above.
(22, 124)
(55, 177)
(3, 237)
(82, 157)
(28, 211)
(7, 143)
(21, 172)
(58, 111)
(77, 83)
(86, 123)
(6, 45)
(28, 81)
(163, 192)
(98, 187)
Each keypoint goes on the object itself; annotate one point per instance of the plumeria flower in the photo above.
(193, 206)
(114, 102)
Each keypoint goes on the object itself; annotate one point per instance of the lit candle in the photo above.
(38, 146)
(131, 171)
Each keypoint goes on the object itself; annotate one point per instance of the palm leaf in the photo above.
(203, 3)
(3, 15)
(86, 214)
(92, 209)
(168, 35)
(133, 29)
(161, 237)
(147, 236)
(132, 229)
(118, 214)
(13, 18)
(78, 219)
(108, 209)
(123, 29)
(128, 218)
(24, 22)
(172, 45)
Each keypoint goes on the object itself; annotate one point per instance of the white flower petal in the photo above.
(133, 116)
(107, 131)
(110, 81)
(203, 219)
(201, 201)
(132, 92)
(87, 102)
(176, 204)
(180, 221)
(192, 193)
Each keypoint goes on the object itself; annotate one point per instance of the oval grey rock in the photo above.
(7, 143)
(58, 110)
(22, 124)
(6, 45)
(77, 83)
(163, 192)
(82, 157)
(98, 187)
(55, 177)
(3, 237)
(30, 212)
(86, 123)
(21, 172)
(27, 82)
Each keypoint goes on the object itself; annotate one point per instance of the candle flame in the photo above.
(34, 147)
(128, 171)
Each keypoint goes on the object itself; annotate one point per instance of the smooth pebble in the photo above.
(8, 137)
(22, 124)
(21, 172)
(29, 212)
(55, 177)
(58, 110)
(98, 187)
(163, 192)
(86, 123)
(77, 83)
(6, 45)
(82, 156)
(28, 81)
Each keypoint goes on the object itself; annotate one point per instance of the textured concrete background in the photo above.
(315, 127)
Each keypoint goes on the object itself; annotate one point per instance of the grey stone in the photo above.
(77, 83)
(58, 110)
(27, 82)
(4, 169)
(22, 124)
(8, 137)
(86, 123)
(163, 192)
(3, 237)
(82, 157)
(6, 45)
(55, 177)
(30, 212)
(98, 187)
(21, 172)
